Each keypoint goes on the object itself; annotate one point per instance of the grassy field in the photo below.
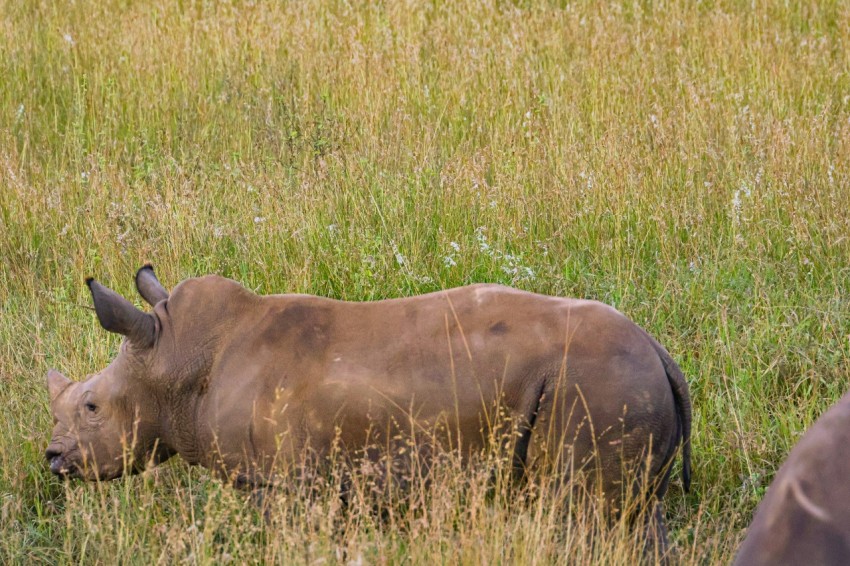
(688, 163)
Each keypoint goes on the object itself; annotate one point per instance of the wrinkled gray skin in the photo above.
(805, 516)
(242, 383)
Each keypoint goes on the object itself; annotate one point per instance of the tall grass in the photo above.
(687, 163)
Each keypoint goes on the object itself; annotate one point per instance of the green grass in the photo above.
(687, 163)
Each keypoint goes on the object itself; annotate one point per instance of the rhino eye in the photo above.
(91, 407)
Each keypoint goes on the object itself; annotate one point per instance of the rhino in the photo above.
(244, 384)
(805, 516)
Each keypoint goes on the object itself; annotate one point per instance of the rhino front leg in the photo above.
(260, 491)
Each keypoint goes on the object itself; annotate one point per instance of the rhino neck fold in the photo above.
(183, 402)
(180, 433)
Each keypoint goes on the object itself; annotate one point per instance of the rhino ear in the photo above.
(149, 286)
(117, 314)
(56, 383)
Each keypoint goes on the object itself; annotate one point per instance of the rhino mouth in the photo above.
(62, 467)
(65, 469)
(67, 465)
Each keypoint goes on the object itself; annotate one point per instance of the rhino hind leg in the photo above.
(656, 547)
(603, 466)
(650, 478)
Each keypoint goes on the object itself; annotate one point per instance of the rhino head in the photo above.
(110, 423)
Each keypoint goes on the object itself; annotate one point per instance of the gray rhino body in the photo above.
(243, 384)
(805, 516)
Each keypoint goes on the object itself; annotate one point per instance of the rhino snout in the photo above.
(54, 455)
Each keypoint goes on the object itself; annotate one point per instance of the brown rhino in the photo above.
(805, 516)
(242, 383)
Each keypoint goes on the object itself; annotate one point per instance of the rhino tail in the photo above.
(682, 397)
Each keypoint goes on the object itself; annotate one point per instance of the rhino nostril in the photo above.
(52, 453)
(57, 463)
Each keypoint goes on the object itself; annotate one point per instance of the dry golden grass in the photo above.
(686, 162)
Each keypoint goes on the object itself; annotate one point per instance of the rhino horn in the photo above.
(56, 383)
(117, 314)
(149, 286)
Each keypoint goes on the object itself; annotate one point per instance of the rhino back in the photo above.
(302, 367)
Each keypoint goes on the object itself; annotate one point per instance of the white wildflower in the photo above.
(737, 202)
(399, 258)
(483, 245)
(68, 39)
(588, 179)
